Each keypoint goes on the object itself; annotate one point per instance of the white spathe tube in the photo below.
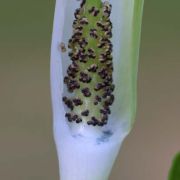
(88, 153)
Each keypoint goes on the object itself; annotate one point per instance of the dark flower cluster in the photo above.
(89, 76)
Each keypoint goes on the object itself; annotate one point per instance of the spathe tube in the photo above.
(86, 153)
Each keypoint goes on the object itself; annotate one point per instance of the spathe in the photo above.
(86, 153)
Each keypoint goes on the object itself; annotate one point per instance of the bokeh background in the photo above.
(27, 150)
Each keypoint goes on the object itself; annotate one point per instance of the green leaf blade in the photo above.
(174, 173)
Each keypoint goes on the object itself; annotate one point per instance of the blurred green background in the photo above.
(27, 150)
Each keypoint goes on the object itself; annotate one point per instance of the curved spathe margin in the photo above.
(126, 59)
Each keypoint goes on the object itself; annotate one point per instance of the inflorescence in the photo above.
(89, 76)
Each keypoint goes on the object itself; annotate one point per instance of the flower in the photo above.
(88, 152)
